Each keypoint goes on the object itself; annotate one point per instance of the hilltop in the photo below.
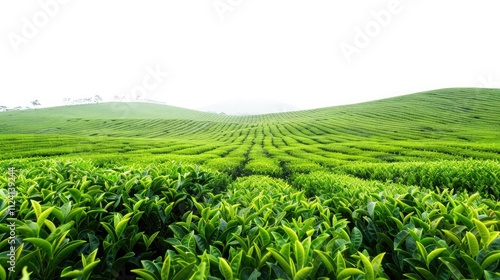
(463, 113)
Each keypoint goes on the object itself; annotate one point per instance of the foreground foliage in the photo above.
(175, 221)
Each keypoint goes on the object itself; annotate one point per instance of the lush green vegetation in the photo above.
(402, 188)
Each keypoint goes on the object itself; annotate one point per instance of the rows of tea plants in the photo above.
(450, 114)
(177, 221)
(470, 175)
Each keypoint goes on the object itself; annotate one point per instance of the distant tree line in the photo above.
(4, 108)
(17, 108)
(69, 101)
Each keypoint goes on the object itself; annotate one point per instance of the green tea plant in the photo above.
(109, 215)
(468, 175)
(177, 221)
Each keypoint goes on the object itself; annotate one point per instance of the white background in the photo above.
(283, 50)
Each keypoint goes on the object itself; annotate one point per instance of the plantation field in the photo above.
(401, 188)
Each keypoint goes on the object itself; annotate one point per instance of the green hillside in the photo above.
(443, 124)
(400, 188)
(441, 113)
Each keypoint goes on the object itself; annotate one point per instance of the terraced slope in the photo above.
(449, 124)
(402, 188)
(433, 114)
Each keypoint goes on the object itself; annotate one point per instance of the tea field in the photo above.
(400, 188)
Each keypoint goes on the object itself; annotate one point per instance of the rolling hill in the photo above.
(440, 124)
(329, 193)
(434, 111)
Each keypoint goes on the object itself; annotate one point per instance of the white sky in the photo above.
(283, 50)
